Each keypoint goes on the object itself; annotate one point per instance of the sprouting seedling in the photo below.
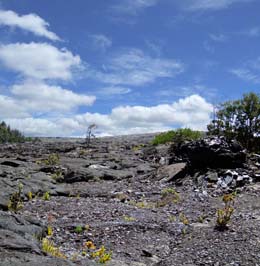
(78, 229)
(46, 196)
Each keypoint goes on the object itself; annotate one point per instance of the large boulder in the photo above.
(212, 152)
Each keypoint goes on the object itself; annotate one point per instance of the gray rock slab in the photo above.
(171, 172)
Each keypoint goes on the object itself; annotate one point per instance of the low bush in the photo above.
(163, 138)
(177, 136)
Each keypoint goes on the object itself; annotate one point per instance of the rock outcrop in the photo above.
(212, 152)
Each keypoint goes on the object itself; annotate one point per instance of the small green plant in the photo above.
(78, 229)
(15, 202)
(143, 204)
(138, 147)
(105, 257)
(46, 196)
(168, 196)
(48, 247)
(30, 195)
(102, 255)
(49, 230)
(58, 175)
(183, 219)
(201, 219)
(224, 215)
(53, 159)
(90, 245)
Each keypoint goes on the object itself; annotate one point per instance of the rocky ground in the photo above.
(145, 205)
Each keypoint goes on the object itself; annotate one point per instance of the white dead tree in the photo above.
(90, 133)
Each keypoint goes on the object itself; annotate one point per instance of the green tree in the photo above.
(10, 135)
(239, 119)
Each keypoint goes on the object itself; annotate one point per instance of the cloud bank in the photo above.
(193, 111)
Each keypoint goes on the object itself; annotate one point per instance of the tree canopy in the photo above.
(10, 135)
(239, 119)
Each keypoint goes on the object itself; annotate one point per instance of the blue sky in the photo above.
(129, 66)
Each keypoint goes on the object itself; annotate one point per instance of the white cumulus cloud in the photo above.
(30, 22)
(37, 96)
(39, 60)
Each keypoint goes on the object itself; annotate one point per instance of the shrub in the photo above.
(163, 138)
(53, 159)
(177, 136)
(186, 134)
(239, 119)
(57, 175)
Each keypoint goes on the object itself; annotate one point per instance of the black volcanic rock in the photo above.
(212, 152)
